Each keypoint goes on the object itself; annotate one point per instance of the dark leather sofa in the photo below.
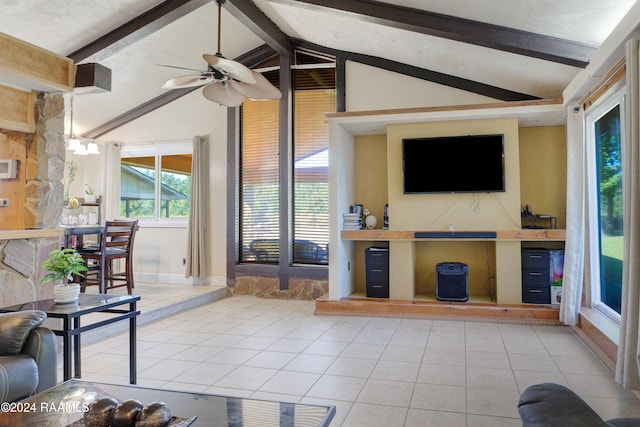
(553, 405)
(28, 355)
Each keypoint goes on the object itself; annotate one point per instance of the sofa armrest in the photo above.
(15, 328)
(553, 405)
(42, 346)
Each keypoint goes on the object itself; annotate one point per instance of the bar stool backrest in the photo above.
(118, 236)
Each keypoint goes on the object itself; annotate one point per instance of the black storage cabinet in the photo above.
(377, 272)
(535, 276)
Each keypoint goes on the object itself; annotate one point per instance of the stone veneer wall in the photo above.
(269, 287)
(20, 259)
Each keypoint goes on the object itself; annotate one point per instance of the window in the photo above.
(142, 194)
(261, 201)
(311, 175)
(606, 207)
(259, 177)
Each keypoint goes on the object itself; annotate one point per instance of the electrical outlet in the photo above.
(4, 203)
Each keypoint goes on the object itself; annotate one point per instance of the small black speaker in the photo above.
(452, 282)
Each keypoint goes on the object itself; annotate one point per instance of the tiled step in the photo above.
(152, 311)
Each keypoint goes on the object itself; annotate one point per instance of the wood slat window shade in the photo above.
(311, 175)
(259, 182)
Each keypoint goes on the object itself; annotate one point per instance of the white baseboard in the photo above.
(179, 279)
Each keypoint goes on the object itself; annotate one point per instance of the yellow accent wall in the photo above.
(464, 211)
(543, 171)
(370, 169)
(535, 167)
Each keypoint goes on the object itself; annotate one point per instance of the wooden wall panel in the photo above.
(16, 110)
(13, 146)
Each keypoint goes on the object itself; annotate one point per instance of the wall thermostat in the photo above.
(8, 169)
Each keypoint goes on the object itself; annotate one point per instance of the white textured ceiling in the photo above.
(63, 26)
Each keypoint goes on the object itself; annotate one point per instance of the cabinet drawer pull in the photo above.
(535, 291)
(535, 273)
(376, 271)
(535, 256)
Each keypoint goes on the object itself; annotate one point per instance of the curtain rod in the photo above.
(613, 76)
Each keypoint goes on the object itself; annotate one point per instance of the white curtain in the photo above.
(111, 200)
(198, 246)
(576, 211)
(627, 366)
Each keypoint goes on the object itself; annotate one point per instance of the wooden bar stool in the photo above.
(116, 244)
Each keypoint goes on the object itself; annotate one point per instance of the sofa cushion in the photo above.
(15, 327)
(18, 377)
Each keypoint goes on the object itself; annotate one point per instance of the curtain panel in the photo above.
(198, 232)
(576, 211)
(627, 366)
(111, 201)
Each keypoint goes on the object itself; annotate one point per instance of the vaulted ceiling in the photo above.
(502, 49)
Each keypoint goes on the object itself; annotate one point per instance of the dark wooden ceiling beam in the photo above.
(420, 73)
(478, 33)
(136, 29)
(255, 20)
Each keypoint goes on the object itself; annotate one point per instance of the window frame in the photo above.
(157, 150)
(593, 249)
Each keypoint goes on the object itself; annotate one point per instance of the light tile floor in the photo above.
(377, 371)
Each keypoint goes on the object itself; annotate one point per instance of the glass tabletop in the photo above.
(64, 405)
(85, 304)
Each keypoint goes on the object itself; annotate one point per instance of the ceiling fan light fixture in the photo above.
(223, 94)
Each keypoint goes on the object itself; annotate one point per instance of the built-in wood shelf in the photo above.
(525, 234)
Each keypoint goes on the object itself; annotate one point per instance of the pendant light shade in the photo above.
(76, 144)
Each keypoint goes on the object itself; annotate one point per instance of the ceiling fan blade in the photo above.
(233, 69)
(262, 89)
(223, 94)
(179, 68)
(186, 81)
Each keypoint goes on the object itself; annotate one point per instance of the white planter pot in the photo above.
(65, 294)
(90, 198)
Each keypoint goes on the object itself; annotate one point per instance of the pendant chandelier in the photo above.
(77, 144)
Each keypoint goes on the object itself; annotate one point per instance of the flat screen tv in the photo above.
(453, 164)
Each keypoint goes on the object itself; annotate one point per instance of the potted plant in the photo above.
(62, 265)
(89, 194)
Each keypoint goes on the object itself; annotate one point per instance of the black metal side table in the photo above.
(71, 327)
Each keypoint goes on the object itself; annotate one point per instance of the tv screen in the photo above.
(453, 164)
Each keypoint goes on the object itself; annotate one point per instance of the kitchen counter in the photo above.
(32, 233)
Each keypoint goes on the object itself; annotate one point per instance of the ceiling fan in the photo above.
(225, 81)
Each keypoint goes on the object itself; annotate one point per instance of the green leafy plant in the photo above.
(89, 190)
(72, 167)
(62, 264)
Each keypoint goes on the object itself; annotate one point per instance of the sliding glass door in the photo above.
(607, 136)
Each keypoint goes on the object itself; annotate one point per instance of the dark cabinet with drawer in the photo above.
(535, 276)
(377, 272)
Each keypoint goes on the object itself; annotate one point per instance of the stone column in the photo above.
(21, 259)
